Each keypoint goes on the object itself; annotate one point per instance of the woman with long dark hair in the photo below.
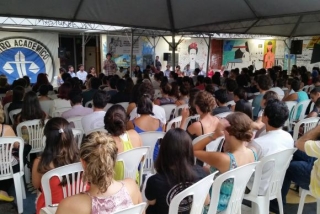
(175, 172)
(42, 79)
(60, 149)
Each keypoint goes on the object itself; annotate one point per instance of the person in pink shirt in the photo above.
(77, 108)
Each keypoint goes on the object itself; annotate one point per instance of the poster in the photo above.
(243, 53)
(269, 54)
(28, 54)
(216, 54)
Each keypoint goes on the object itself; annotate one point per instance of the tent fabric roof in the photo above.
(272, 17)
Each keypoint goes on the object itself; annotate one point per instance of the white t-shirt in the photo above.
(279, 91)
(268, 144)
(82, 75)
(158, 111)
(92, 121)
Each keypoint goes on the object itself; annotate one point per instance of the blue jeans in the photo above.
(299, 171)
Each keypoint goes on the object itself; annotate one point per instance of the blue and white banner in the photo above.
(28, 56)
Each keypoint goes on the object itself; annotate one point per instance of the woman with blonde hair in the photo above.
(98, 154)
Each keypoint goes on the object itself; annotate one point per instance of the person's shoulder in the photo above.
(199, 171)
(80, 203)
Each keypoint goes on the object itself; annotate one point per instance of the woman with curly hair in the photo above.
(98, 154)
(237, 130)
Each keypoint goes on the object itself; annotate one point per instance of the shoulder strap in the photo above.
(201, 127)
(233, 163)
(254, 154)
(2, 130)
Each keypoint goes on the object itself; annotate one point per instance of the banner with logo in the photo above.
(28, 54)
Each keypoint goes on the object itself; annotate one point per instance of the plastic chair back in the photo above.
(124, 105)
(294, 115)
(107, 107)
(308, 124)
(46, 105)
(198, 191)
(72, 173)
(150, 139)
(53, 96)
(13, 113)
(290, 105)
(89, 104)
(35, 133)
(58, 112)
(168, 110)
(76, 122)
(131, 160)
(178, 110)
(223, 115)
(176, 121)
(195, 117)
(78, 136)
(6, 113)
(277, 163)
(240, 176)
(136, 209)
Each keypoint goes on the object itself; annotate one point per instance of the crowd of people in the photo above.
(254, 129)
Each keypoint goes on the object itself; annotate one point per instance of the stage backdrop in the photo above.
(28, 54)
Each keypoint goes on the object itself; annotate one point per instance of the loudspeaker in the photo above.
(61, 52)
(296, 47)
(166, 56)
(315, 54)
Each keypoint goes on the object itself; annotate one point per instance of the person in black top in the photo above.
(120, 96)
(221, 99)
(18, 93)
(175, 172)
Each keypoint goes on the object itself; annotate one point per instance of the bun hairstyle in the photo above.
(145, 105)
(204, 101)
(61, 148)
(115, 120)
(99, 152)
(240, 126)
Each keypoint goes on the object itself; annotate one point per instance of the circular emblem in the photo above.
(22, 56)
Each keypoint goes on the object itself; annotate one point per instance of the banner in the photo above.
(28, 54)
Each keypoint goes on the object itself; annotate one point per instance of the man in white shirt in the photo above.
(275, 140)
(278, 89)
(187, 71)
(82, 74)
(95, 120)
(167, 72)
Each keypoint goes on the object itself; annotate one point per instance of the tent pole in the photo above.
(173, 51)
(131, 54)
(154, 51)
(83, 48)
(208, 56)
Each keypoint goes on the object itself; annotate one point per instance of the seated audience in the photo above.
(88, 95)
(200, 82)
(175, 172)
(113, 86)
(278, 89)
(242, 104)
(42, 79)
(4, 86)
(60, 149)
(238, 133)
(76, 103)
(98, 155)
(184, 96)
(121, 95)
(165, 95)
(63, 98)
(314, 95)
(221, 99)
(43, 93)
(8, 98)
(275, 140)
(18, 93)
(231, 85)
(264, 84)
(94, 120)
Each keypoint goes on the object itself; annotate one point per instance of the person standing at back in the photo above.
(158, 63)
(109, 66)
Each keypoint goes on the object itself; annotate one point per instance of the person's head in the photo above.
(42, 79)
(75, 96)
(295, 85)
(70, 68)
(315, 94)
(109, 56)
(95, 83)
(204, 102)
(100, 99)
(157, 57)
(43, 90)
(269, 95)
(98, 155)
(264, 83)
(317, 104)
(178, 68)
(115, 120)
(62, 70)
(275, 113)
(239, 127)
(31, 108)
(64, 90)
(192, 95)
(65, 76)
(92, 70)
(27, 79)
(183, 91)
(216, 78)
(176, 158)
(226, 74)
(269, 46)
(121, 85)
(60, 148)
(221, 97)
(200, 79)
(188, 66)
(17, 94)
(146, 88)
(231, 85)
(3, 81)
(101, 76)
(145, 105)
(193, 51)
(240, 94)
(244, 107)
(113, 82)
(166, 89)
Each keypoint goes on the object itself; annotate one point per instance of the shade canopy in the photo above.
(270, 17)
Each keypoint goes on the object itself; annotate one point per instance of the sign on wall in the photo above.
(27, 56)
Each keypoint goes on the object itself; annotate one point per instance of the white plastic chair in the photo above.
(294, 114)
(53, 96)
(78, 135)
(195, 117)
(274, 165)
(157, 93)
(13, 113)
(48, 210)
(74, 184)
(308, 124)
(6, 113)
(303, 196)
(150, 139)
(35, 139)
(131, 160)
(178, 110)
(46, 105)
(290, 105)
(198, 191)
(168, 110)
(2, 96)
(305, 88)
(89, 104)
(136, 209)
(240, 176)
(58, 112)
(107, 107)
(231, 103)
(6, 172)
(124, 105)
(223, 115)
(76, 122)
(176, 121)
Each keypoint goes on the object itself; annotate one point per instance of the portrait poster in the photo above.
(269, 53)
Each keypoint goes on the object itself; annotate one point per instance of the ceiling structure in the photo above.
(287, 18)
